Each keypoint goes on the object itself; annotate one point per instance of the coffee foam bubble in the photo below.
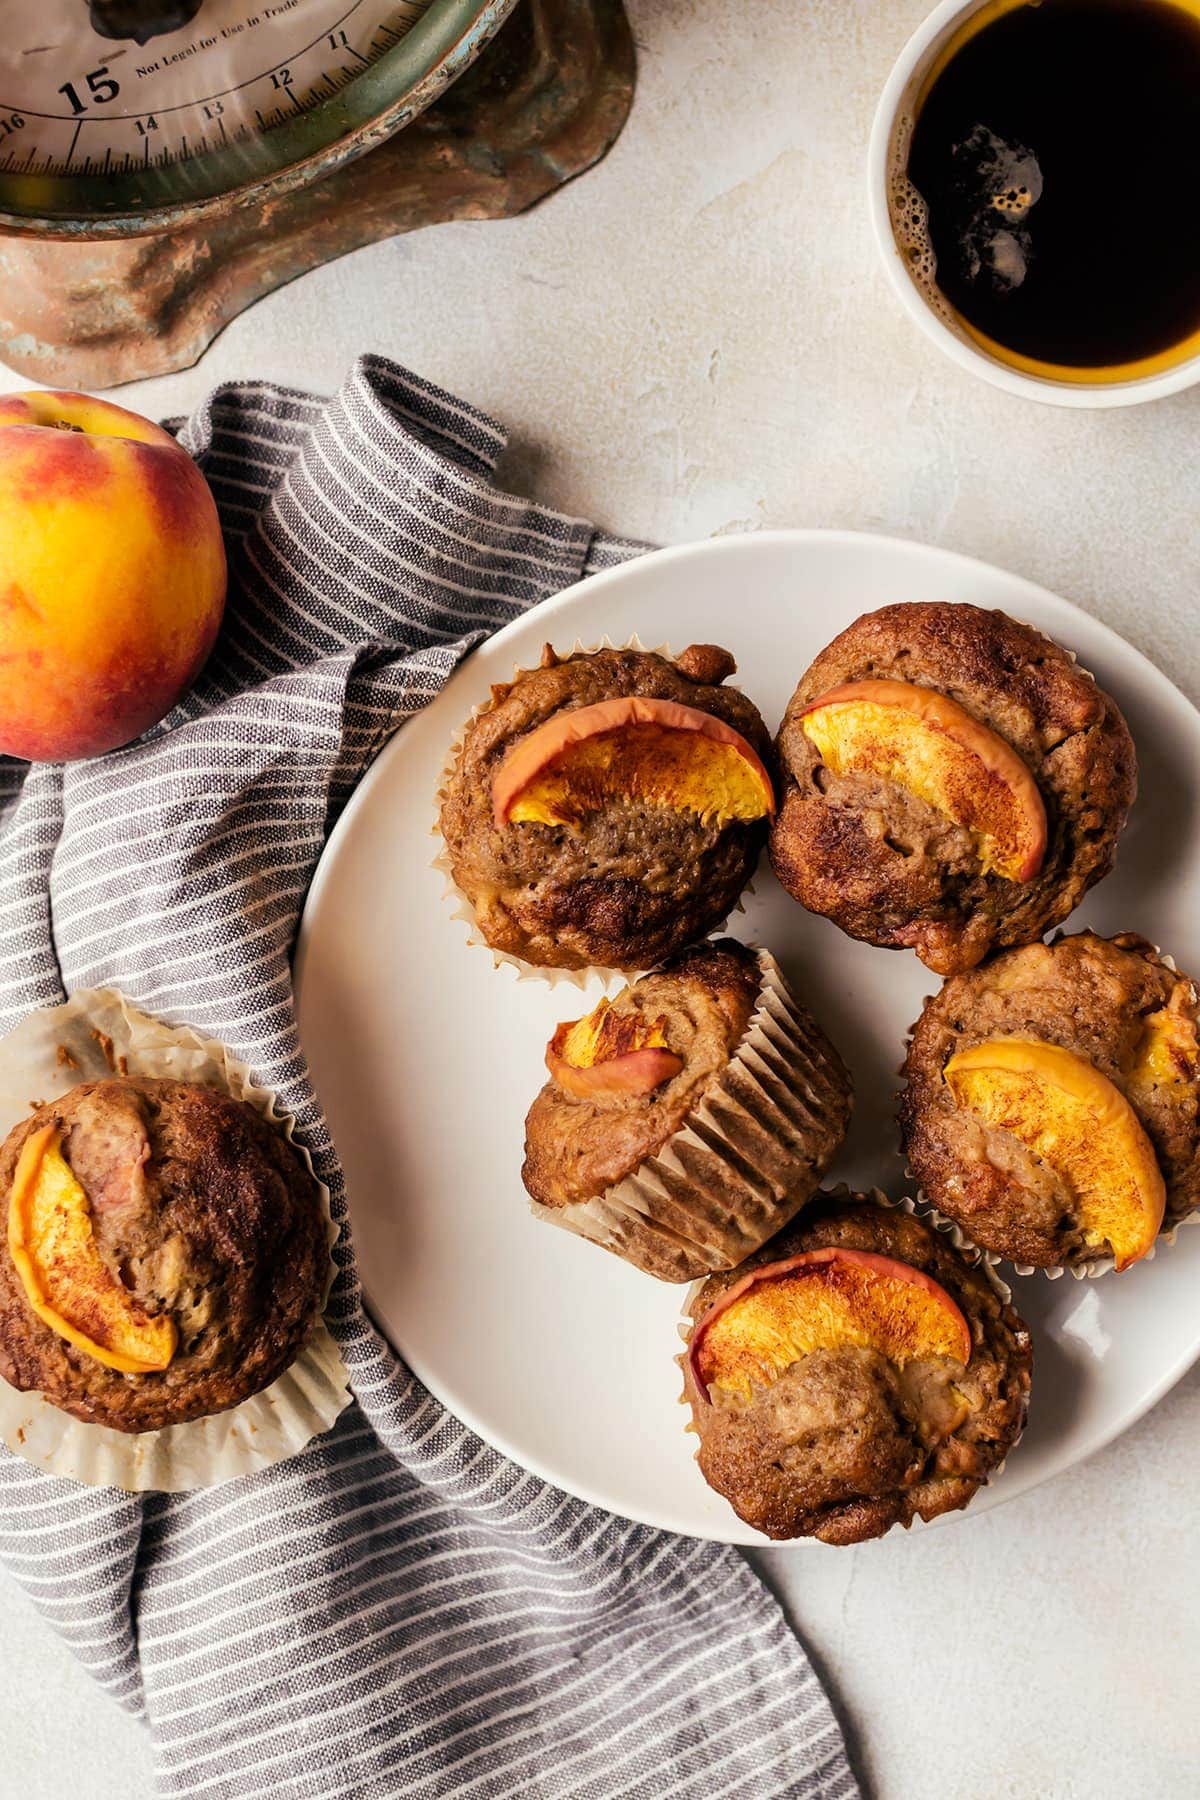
(910, 224)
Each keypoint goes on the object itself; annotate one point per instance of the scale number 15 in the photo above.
(100, 85)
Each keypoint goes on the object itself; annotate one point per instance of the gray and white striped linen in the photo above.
(397, 1611)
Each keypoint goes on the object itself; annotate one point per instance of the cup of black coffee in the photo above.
(1034, 166)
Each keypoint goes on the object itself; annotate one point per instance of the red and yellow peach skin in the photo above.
(112, 575)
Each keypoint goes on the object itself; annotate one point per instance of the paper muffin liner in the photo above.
(905, 1204)
(727, 1179)
(93, 1035)
(460, 903)
(1091, 1270)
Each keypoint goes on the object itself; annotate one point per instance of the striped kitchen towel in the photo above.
(398, 1610)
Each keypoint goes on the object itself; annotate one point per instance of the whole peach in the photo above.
(112, 575)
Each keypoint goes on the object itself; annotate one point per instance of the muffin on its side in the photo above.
(1052, 1107)
(952, 783)
(165, 1254)
(608, 807)
(857, 1373)
(690, 1118)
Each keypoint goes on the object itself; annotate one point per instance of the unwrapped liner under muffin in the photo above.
(92, 1038)
(721, 1162)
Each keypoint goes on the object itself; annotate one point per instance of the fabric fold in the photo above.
(397, 1611)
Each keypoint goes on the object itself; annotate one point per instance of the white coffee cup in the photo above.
(893, 122)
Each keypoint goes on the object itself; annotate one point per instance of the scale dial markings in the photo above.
(115, 108)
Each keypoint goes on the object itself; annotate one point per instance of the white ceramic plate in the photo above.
(426, 1057)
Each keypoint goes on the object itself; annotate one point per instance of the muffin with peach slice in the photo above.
(952, 782)
(1052, 1107)
(608, 807)
(857, 1372)
(690, 1117)
(164, 1257)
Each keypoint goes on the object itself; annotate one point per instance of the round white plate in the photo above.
(426, 1057)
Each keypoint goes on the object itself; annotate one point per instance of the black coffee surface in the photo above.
(1058, 153)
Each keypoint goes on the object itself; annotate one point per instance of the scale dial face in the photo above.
(120, 113)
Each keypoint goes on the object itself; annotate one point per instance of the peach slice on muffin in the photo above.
(1063, 1109)
(611, 1052)
(631, 747)
(66, 1281)
(822, 1300)
(929, 744)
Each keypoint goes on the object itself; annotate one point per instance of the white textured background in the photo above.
(695, 338)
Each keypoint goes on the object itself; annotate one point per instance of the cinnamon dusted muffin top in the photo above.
(1119, 1008)
(625, 875)
(198, 1219)
(886, 865)
(849, 1439)
(699, 1004)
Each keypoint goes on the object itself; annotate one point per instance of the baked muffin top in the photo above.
(889, 866)
(698, 1005)
(624, 875)
(847, 1439)
(1120, 1009)
(197, 1220)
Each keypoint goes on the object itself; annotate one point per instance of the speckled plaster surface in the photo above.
(696, 339)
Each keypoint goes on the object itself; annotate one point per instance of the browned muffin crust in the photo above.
(890, 869)
(1093, 996)
(220, 1225)
(844, 1445)
(629, 885)
(576, 1147)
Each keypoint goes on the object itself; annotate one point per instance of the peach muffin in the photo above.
(165, 1253)
(952, 782)
(857, 1373)
(608, 807)
(1052, 1106)
(689, 1118)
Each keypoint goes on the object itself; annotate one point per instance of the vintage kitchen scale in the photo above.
(163, 163)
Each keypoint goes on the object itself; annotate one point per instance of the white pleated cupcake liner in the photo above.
(462, 908)
(726, 1180)
(95, 1034)
(1091, 1270)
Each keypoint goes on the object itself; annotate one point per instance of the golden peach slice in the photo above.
(611, 1053)
(69, 1287)
(629, 749)
(823, 1300)
(1069, 1114)
(1168, 1054)
(929, 744)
